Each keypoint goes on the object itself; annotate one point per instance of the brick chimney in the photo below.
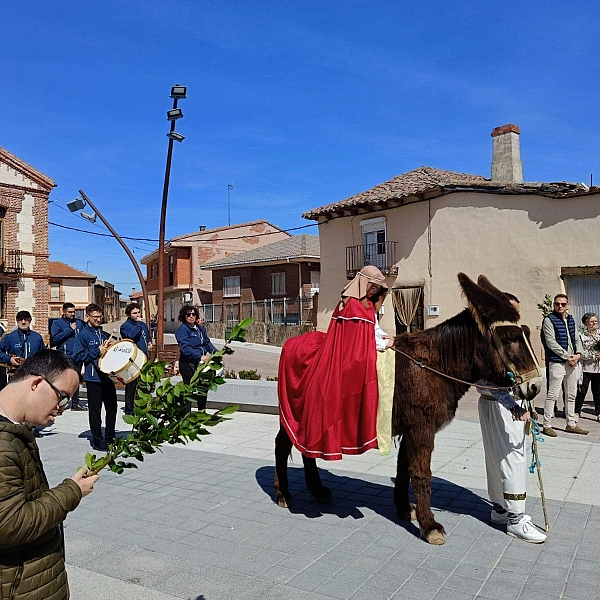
(506, 154)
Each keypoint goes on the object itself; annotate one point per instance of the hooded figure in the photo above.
(327, 383)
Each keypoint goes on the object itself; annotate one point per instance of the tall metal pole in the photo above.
(160, 309)
(129, 253)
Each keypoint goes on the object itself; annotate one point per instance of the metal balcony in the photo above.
(11, 261)
(381, 255)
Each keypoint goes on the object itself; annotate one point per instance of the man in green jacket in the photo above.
(32, 564)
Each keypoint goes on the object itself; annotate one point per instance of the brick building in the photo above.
(24, 195)
(185, 281)
(273, 283)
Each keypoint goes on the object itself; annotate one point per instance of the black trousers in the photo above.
(75, 396)
(130, 396)
(187, 370)
(582, 390)
(99, 393)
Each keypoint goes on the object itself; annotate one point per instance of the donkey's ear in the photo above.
(486, 284)
(485, 305)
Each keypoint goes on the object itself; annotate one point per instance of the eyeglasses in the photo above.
(561, 303)
(191, 315)
(64, 398)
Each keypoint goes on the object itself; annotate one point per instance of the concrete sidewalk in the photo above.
(199, 522)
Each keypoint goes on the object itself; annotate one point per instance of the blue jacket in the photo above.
(138, 332)
(87, 351)
(63, 336)
(20, 343)
(193, 343)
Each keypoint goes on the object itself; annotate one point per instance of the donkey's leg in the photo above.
(283, 448)
(419, 449)
(313, 481)
(404, 507)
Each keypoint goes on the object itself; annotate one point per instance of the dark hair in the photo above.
(587, 317)
(67, 305)
(90, 308)
(561, 296)
(48, 363)
(512, 297)
(186, 309)
(131, 306)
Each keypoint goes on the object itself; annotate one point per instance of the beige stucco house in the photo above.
(67, 284)
(423, 227)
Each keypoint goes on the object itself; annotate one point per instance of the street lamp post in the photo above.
(78, 205)
(178, 92)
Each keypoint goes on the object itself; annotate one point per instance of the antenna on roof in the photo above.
(230, 187)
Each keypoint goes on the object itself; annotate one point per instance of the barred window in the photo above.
(231, 286)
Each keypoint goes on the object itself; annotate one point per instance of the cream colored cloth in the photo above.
(357, 288)
(386, 368)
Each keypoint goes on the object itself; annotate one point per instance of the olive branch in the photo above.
(162, 410)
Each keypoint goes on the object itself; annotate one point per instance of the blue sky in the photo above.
(298, 103)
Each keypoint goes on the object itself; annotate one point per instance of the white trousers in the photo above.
(504, 447)
(560, 373)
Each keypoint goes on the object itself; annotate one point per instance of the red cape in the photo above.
(327, 386)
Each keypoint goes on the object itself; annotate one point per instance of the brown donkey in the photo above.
(484, 341)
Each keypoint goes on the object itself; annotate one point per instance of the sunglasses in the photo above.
(191, 315)
(64, 398)
(561, 303)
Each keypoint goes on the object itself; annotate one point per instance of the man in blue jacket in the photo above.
(137, 331)
(21, 343)
(64, 332)
(90, 345)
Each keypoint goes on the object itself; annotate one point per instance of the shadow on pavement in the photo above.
(351, 494)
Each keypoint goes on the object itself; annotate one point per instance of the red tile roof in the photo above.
(60, 269)
(434, 182)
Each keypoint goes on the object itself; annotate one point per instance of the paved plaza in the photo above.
(199, 522)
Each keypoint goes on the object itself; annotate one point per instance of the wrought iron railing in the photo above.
(381, 255)
(11, 261)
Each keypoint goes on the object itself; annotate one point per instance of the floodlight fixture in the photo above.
(179, 92)
(90, 218)
(173, 135)
(77, 204)
(174, 114)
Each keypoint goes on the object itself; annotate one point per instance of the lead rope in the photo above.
(422, 365)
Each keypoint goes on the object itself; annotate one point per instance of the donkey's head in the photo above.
(505, 355)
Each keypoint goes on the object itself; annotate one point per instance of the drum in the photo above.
(123, 361)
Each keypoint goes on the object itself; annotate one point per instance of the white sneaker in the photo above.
(499, 518)
(524, 530)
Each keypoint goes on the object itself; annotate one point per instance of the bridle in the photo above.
(512, 372)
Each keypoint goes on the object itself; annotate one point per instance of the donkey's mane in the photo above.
(452, 338)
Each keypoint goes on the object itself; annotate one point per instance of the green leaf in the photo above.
(153, 420)
(228, 410)
(130, 419)
(245, 323)
(89, 460)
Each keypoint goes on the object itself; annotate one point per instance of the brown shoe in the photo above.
(78, 407)
(549, 432)
(576, 429)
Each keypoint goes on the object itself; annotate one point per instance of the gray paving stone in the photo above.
(416, 590)
(502, 585)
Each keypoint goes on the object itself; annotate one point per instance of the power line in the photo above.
(241, 237)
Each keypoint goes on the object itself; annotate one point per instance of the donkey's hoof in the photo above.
(435, 537)
(282, 501)
(323, 495)
(408, 515)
